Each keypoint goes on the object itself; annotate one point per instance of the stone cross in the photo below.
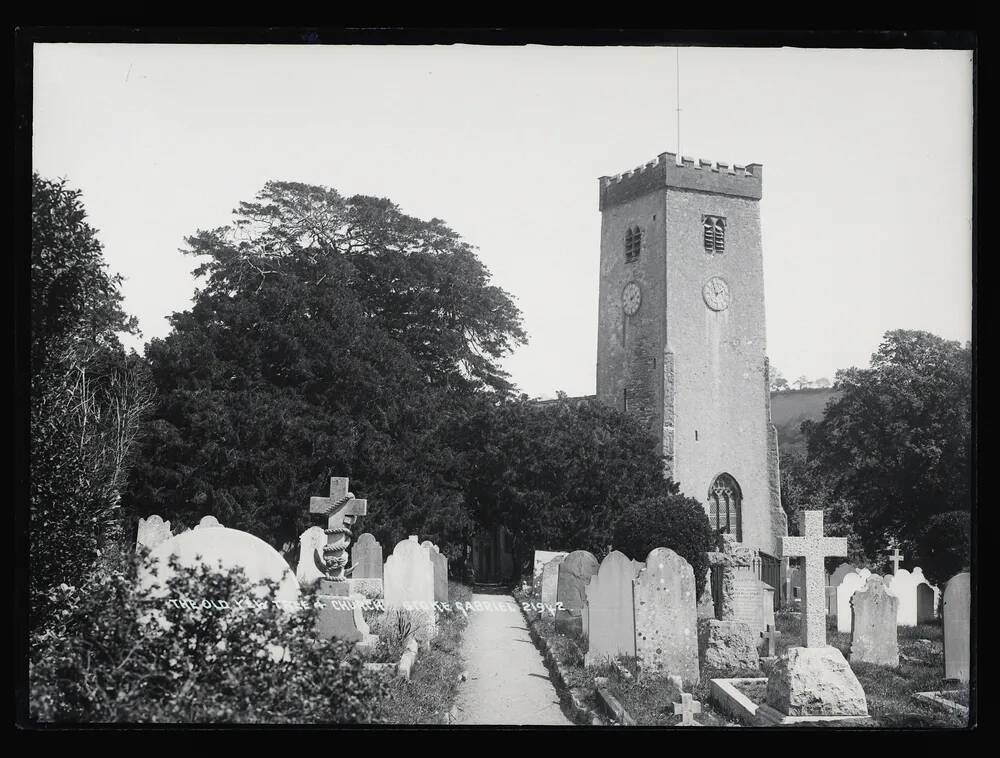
(813, 547)
(895, 558)
(337, 512)
(687, 708)
(770, 641)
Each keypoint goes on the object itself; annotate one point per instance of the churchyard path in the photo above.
(507, 680)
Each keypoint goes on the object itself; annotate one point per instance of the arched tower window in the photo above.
(725, 501)
(714, 230)
(633, 244)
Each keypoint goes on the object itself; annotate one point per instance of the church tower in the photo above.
(681, 338)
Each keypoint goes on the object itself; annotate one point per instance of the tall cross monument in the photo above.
(814, 547)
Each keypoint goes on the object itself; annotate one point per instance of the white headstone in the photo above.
(408, 580)
(310, 543)
(904, 586)
(223, 549)
(152, 531)
(208, 522)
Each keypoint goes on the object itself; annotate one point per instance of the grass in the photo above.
(430, 694)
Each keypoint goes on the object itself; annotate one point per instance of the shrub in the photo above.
(671, 521)
(212, 649)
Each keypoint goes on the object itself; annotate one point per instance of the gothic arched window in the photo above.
(725, 506)
(633, 244)
(714, 229)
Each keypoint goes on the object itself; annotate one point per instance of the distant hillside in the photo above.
(790, 408)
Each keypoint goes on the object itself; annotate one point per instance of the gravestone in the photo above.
(767, 605)
(769, 638)
(440, 563)
(542, 557)
(748, 599)
(845, 590)
(687, 709)
(706, 604)
(222, 549)
(550, 580)
(925, 603)
(408, 579)
(574, 574)
(610, 610)
(831, 588)
(337, 513)
(311, 543)
(208, 522)
(727, 646)
(895, 559)
(957, 609)
(873, 636)
(814, 680)
(904, 586)
(366, 558)
(152, 531)
(666, 623)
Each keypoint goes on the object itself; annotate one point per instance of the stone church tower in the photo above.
(681, 338)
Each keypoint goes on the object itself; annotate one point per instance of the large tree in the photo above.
(577, 474)
(333, 336)
(897, 444)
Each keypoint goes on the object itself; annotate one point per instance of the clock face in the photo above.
(631, 297)
(716, 294)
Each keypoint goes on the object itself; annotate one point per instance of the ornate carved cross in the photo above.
(336, 513)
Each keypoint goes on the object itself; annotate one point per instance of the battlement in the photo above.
(682, 172)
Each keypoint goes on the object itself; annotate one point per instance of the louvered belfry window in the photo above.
(714, 228)
(633, 244)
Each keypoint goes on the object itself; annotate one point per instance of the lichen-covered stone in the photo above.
(873, 634)
(728, 646)
(815, 681)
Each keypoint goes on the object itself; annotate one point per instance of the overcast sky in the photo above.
(867, 169)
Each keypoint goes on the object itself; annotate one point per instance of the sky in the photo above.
(867, 155)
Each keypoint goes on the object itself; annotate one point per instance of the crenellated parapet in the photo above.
(684, 173)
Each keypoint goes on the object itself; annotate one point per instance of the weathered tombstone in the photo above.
(440, 563)
(366, 558)
(152, 531)
(311, 544)
(550, 581)
(925, 603)
(831, 588)
(610, 610)
(957, 609)
(223, 549)
(845, 590)
(542, 557)
(770, 640)
(814, 680)
(574, 574)
(727, 646)
(208, 522)
(873, 637)
(767, 606)
(666, 623)
(408, 578)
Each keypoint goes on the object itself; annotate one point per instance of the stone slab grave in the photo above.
(340, 615)
(550, 581)
(850, 584)
(152, 532)
(408, 578)
(666, 622)
(440, 563)
(873, 634)
(957, 628)
(610, 610)
(814, 682)
(574, 575)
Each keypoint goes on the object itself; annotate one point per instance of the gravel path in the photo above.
(507, 679)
